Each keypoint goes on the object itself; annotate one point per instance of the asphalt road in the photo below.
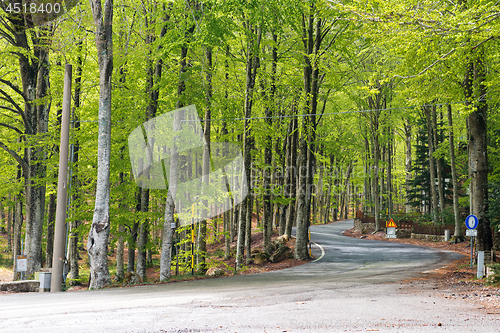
(352, 286)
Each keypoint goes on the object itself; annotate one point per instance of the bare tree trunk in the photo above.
(478, 149)
(9, 229)
(389, 173)
(408, 166)
(119, 253)
(18, 224)
(432, 169)
(2, 217)
(202, 245)
(248, 226)
(143, 235)
(375, 179)
(458, 222)
(131, 243)
(252, 63)
(329, 193)
(438, 164)
(292, 167)
(167, 233)
(227, 237)
(97, 244)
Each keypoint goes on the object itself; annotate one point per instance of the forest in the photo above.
(386, 107)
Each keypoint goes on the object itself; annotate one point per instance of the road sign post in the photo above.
(390, 229)
(471, 222)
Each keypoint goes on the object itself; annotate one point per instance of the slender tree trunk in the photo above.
(389, 173)
(408, 166)
(2, 217)
(9, 229)
(292, 176)
(329, 193)
(438, 164)
(248, 227)
(143, 234)
(18, 224)
(97, 244)
(432, 169)
(167, 233)
(458, 222)
(227, 237)
(202, 248)
(375, 179)
(252, 63)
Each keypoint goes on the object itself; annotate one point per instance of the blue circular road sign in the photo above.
(471, 222)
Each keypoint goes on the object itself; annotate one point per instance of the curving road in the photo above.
(352, 286)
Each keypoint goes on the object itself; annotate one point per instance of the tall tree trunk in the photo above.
(97, 244)
(202, 245)
(169, 221)
(143, 234)
(227, 236)
(438, 164)
(252, 63)
(458, 222)
(374, 118)
(9, 229)
(408, 166)
(248, 226)
(432, 169)
(329, 193)
(292, 167)
(18, 224)
(478, 148)
(120, 253)
(74, 234)
(389, 172)
(51, 218)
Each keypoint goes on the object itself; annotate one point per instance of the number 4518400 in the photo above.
(33, 8)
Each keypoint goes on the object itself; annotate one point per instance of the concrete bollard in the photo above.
(480, 264)
(447, 235)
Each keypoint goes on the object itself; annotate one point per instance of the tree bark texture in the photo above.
(478, 149)
(438, 163)
(458, 222)
(407, 130)
(252, 63)
(97, 244)
(432, 168)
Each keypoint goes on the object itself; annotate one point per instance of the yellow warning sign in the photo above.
(390, 224)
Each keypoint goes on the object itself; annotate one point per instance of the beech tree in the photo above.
(97, 243)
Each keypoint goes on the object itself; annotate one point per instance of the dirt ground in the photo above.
(456, 281)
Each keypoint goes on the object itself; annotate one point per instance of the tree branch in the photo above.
(13, 87)
(12, 128)
(428, 67)
(18, 158)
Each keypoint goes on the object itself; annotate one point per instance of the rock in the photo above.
(214, 271)
(260, 259)
(281, 240)
(131, 278)
(281, 253)
(254, 252)
(20, 286)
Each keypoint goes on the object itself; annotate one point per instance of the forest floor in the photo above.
(457, 280)
(215, 258)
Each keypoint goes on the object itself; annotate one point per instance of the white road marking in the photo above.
(322, 251)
